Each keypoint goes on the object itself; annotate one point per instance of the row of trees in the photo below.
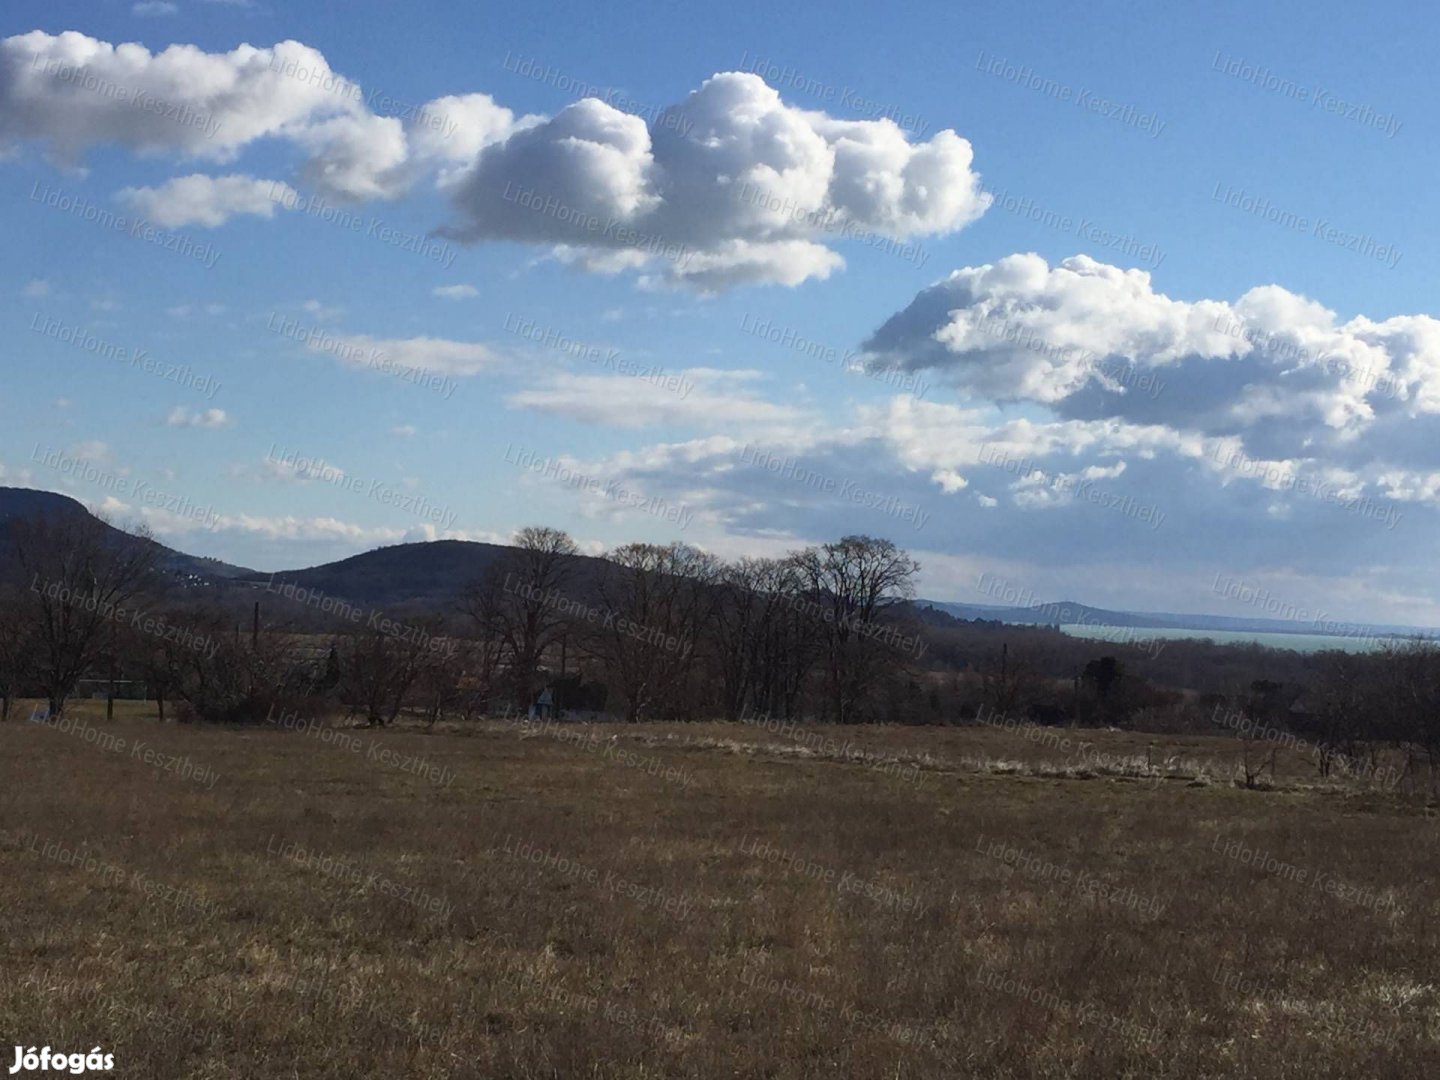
(649, 631)
(674, 631)
(1358, 703)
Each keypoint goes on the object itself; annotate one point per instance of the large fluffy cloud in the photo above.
(72, 92)
(1093, 341)
(1101, 416)
(69, 93)
(449, 132)
(729, 186)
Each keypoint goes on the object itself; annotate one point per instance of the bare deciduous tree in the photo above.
(853, 583)
(156, 658)
(15, 662)
(379, 669)
(655, 599)
(223, 674)
(79, 577)
(530, 621)
(1009, 680)
(763, 643)
(482, 606)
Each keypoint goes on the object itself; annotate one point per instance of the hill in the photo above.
(427, 577)
(418, 577)
(181, 571)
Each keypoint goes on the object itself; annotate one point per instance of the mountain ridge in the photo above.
(429, 575)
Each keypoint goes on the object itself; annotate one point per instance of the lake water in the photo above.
(1306, 643)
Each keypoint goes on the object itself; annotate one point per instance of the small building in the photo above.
(544, 706)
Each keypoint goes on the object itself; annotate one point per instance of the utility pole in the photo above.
(560, 685)
(1004, 698)
(110, 693)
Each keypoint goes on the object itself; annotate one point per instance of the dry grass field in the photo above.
(706, 901)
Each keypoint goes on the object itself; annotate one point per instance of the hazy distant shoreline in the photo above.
(1299, 642)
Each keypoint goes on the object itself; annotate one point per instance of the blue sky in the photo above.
(1069, 427)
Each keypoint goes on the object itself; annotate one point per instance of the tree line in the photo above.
(652, 631)
(658, 631)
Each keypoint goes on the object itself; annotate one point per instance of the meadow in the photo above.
(707, 900)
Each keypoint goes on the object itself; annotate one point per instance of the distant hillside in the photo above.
(424, 577)
(182, 571)
(418, 575)
(31, 503)
(429, 577)
(1069, 612)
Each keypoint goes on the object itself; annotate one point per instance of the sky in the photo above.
(1115, 303)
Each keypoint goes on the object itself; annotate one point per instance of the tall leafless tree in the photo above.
(853, 584)
(380, 670)
(79, 577)
(763, 643)
(15, 663)
(485, 652)
(655, 599)
(531, 618)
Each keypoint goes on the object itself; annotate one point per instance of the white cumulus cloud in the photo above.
(207, 200)
(1093, 341)
(732, 186)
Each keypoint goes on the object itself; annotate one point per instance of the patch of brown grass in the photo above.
(566, 906)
